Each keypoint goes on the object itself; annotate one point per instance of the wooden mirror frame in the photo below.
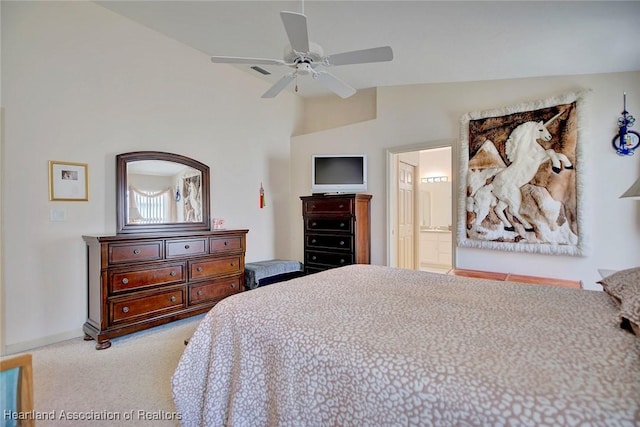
(122, 160)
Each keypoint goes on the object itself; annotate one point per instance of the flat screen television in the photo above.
(338, 173)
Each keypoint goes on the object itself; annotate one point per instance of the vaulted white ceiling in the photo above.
(432, 41)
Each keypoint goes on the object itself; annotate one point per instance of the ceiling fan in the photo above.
(305, 56)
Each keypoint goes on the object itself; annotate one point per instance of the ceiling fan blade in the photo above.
(334, 84)
(376, 54)
(279, 86)
(239, 60)
(296, 26)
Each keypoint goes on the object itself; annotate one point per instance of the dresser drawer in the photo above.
(329, 224)
(205, 269)
(224, 244)
(161, 274)
(217, 289)
(132, 252)
(149, 305)
(338, 242)
(187, 247)
(328, 258)
(333, 206)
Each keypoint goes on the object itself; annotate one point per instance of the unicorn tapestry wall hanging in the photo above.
(521, 178)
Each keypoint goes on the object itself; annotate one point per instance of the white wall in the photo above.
(419, 114)
(326, 112)
(435, 162)
(83, 84)
(2, 297)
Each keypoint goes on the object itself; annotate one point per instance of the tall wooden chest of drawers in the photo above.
(137, 281)
(337, 231)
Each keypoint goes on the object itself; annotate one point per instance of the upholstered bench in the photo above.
(263, 273)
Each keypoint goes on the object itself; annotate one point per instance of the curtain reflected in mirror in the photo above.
(147, 207)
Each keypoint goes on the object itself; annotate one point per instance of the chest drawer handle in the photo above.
(342, 225)
(313, 240)
(173, 273)
(313, 224)
(233, 264)
(125, 309)
(226, 243)
(233, 285)
(313, 257)
(199, 292)
(313, 206)
(125, 281)
(136, 251)
(341, 206)
(186, 246)
(173, 298)
(199, 269)
(342, 261)
(341, 242)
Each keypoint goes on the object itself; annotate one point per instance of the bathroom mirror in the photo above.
(161, 192)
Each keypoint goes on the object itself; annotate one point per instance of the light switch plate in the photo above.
(58, 214)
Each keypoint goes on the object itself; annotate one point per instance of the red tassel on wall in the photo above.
(262, 203)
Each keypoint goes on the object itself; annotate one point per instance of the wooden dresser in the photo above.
(337, 231)
(137, 281)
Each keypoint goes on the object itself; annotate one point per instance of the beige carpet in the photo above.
(125, 385)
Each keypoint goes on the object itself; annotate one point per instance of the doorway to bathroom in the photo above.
(420, 208)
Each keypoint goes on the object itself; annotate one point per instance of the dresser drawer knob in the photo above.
(173, 273)
(199, 292)
(125, 281)
(313, 240)
(313, 224)
(136, 251)
(313, 257)
(125, 309)
(233, 264)
(342, 224)
(199, 269)
(341, 206)
(313, 206)
(226, 243)
(341, 242)
(233, 285)
(341, 261)
(186, 246)
(173, 298)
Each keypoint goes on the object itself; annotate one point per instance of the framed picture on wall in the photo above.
(68, 181)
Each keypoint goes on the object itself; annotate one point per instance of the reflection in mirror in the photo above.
(435, 205)
(159, 191)
(163, 192)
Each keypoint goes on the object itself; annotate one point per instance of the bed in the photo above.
(376, 346)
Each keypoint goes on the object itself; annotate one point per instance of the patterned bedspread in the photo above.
(376, 346)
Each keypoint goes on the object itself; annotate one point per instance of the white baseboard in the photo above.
(40, 342)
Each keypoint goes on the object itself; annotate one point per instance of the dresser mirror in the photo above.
(161, 192)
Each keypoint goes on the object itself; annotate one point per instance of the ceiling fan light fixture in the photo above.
(315, 54)
(304, 69)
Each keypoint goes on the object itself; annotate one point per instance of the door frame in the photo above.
(392, 198)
